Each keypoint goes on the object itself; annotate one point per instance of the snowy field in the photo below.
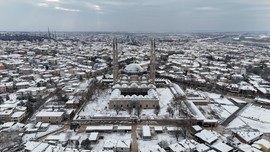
(98, 105)
(217, 99)
(257, 113)
(253, 117)
(220, 108)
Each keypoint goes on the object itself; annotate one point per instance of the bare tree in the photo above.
(170, 111)
(77, 143)
(7, 97)
(1, 100)
(117, 110)
(85, 144)
(157, 110)
(138, 109)
(177, 133)
(130, 108)
(163, 144)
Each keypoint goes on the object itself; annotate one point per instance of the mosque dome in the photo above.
(133, 68)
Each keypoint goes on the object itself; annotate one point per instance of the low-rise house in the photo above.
(123, 145)
(248, 137)
(124, 128)
(31, 145)
(34, 92)
(158, 129)
(3, 88)
(222, 147)
(176, 148)
(22, 85)
(6, 115)
(18, 116)
(146, 132)
(207, 137)
(195, 129)
(156, 148)
(247, 148)
(50, 117)
(73, 103)
(110, 145)
(188, 144)
(202, 148)
(264, 144)
(99, 128)
(93, 138)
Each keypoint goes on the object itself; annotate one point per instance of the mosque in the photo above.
(133, 86)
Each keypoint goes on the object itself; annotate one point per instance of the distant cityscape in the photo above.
(134, 92)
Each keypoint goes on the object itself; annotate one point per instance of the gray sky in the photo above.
(135, 15)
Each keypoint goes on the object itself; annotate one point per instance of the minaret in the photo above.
(153, 61)
(49, 33)
(115, 61)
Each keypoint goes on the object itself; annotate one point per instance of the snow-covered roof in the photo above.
(99, 128)
(188, 144)
(146, 131)
(197, 128)
(49, 114)
(17, 114)
(176, 147)
(222, 147)
(249, 136)
(41, 147)
(207, 136)
(154, 148)
(263, 142)
(158, 128)
(31, 145)
(247, 148)
(123, 143)
(93, 136)
(133, 68)
(123, 127)
(202, 147)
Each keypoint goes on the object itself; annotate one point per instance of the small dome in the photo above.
(133, 68)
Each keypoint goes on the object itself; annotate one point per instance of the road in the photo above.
(134, 146)
(235, 114)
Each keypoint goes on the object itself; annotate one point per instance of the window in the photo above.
(146, 106)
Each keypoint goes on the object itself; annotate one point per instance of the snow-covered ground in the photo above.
(253, 117)
(220, 108)
(98, 105)
(257, 113)
(217, 98)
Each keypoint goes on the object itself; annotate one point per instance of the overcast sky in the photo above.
(135, 15)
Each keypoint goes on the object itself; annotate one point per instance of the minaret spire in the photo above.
(153, 61)
(115, 61)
